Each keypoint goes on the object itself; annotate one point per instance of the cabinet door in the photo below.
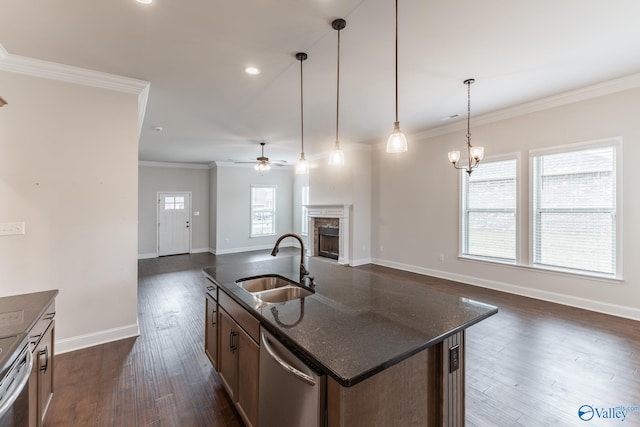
(248, 375)
(44, 360)
(211, 331)
(227, 367)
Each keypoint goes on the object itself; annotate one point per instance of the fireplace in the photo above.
(333, 241)
(329, 242)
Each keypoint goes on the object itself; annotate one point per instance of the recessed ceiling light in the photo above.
(144, 1)
(252, 71)
(451, 117)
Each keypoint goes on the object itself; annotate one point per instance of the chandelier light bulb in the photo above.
(477, 153)
(454, 156)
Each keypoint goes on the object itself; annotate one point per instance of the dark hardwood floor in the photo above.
(533, 364)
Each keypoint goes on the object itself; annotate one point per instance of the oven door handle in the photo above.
(20, 382)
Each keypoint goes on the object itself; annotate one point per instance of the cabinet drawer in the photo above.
(41, 326)
(212, 289)
(242, 317)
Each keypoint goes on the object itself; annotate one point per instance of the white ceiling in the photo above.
(194, 52)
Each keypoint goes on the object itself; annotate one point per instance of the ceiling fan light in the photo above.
(336, 158)
(397, 142)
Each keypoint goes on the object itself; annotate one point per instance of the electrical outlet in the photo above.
(441, 257)
(12, 228)
(454, 358)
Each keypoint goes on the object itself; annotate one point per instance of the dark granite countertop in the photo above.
(358, 323)
(18, 315)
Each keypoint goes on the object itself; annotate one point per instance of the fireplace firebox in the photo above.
(329, 242)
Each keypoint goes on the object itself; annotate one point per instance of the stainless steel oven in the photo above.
(15, 369)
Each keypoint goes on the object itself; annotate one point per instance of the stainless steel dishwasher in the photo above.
(292, 394)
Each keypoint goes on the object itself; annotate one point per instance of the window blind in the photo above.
(489, 200)
(574, 210)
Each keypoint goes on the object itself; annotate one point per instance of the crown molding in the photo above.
(559, 100)
(81, 76)
(177, 165)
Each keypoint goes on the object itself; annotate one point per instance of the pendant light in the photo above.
(474, 154)
(301, 167)
(397, 142)
(336, 158)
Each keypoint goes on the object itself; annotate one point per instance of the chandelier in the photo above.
(474, 154)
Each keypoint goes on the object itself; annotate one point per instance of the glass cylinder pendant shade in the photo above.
(477, 153)
(302, 167)
(336, 158)
(397, 142)
(454, 156)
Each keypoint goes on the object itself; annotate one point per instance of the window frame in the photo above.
(616, 144)
(463, 226)
(273, 210)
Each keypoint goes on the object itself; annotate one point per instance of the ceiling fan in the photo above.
(262, 163)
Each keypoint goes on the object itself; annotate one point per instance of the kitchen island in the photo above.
(393, 351)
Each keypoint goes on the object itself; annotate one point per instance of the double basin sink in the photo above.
(273, 289)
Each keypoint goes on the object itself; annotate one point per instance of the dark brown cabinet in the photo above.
(227, 369)
(234, 352)
(41, 385)
(211, 331)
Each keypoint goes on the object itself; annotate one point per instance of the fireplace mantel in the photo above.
(343, 213)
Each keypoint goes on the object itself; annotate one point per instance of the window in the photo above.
(173, 203)
(489, 200)
(575, 224)
(263, 211)
(304, 229)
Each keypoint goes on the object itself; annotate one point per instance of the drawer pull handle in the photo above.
(44, 353)
(213, 318)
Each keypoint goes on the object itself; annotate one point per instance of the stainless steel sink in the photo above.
(259, 284)
(283, 294)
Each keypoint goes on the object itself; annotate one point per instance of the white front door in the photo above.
(174, 223)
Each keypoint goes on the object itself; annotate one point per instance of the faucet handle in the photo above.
(311, 282)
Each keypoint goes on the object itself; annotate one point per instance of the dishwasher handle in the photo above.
(20, 383)
(301, 375)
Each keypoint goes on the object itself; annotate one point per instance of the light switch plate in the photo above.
(12, 228)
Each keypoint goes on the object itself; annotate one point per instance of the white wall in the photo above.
(416, 201)
(213, 208)
(154, 178)
(299, 181)
(347, 185)
(233, 190)
(68, 168)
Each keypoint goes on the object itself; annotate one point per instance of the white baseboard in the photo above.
(148, 256)
(199, 250)
(96, 338)
(569, 300)
(362, 261)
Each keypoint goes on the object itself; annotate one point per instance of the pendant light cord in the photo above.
(469, 113)
(338, 90)
(396, 61)
(301, 109)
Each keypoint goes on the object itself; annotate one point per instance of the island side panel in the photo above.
(419, 391)
(453, 380)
